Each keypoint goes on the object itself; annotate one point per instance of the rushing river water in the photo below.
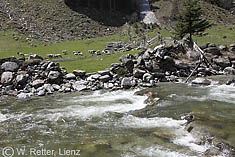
(105, 124)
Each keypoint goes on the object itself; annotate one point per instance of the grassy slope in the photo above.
(9, 47)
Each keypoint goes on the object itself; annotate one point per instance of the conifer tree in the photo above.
(189, 20)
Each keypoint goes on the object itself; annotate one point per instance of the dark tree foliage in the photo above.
(189, 20)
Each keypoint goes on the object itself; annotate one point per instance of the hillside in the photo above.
(167, 10)
(54, 21)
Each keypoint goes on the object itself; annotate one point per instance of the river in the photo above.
(117, 123)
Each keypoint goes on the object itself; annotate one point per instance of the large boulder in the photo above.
(7, 78)
(10, 66)
(201, 81)
(229, 71)
(126, 82)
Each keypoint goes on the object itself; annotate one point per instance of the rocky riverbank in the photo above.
(35, 76)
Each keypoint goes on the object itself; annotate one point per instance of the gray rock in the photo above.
(94, 77)
(213, 51)
(21, 79)
(126, 83)
(38, 83)
(201, 81)
(147, 77)
(138, 73)
(79, 73)
(211, 45)
(56, 87)
(129, 65)
(70, 76)
(42, 92)
(149, 65)
(229, 71)
(104, 72)
(146, 55)
(10, 66)
(24, 96)
(7, 78)
(105, 78)
(79, 85)
(49, 89)
(223, 48)
(193, 55)
(35, 56)
(53, 75)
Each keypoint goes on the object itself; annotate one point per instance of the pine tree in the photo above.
(189, 21)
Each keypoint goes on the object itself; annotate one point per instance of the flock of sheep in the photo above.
(65, 52)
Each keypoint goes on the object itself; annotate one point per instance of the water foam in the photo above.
(154, 151)
(223, 93)
(76, 110)
(2, 117)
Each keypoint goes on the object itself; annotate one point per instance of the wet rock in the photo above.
(48, 88)
(80, 85)
(229, 71)
(126, 83)
(38, 83)
(7, 78)
(10, 66)
(201, 81)
(24, 96)
(79, 73)
(42, 92)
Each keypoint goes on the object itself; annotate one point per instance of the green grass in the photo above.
(220, 34)
(9, 47)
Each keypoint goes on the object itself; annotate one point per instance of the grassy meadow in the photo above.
(219, 34)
